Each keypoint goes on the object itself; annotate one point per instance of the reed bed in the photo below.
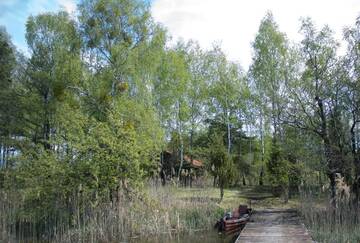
(326, 224)
(155, 211)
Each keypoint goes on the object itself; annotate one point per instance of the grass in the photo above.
(231, 196)
(258, 197)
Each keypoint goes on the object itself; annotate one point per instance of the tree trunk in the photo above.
(330, 154)
(7, 157)
(191, 143)
(227, 113)
(229, 136)
(356, 160)
(286, 193)
(332, 190)
(46, 135)
(331, 158)
(46, 123)
(163, 177)
(221, 184)
(181, 141)
(181, 156)
(261, 179)
(3, 162)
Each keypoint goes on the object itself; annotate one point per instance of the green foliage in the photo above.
(9, 100)
(296, 171)
(226, 87)
(221, 161)
(125, 41)
(7, 59)
(278, 167)
(269, 68)
(43, 181)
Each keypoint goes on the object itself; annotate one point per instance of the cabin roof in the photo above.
(194, 163)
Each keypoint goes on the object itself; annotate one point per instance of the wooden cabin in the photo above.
(170, 163)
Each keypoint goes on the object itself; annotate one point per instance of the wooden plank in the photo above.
(276, 227)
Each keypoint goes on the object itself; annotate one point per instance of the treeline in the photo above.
(85, 116)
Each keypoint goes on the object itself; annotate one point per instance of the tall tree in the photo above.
(170, 91)
(8, 100)
(53, 68)
(197, 65)
(117, 36)
(350, 74)
(221, 160)
(315, 98)
(269, 68)
(268, 74)
(225, 79)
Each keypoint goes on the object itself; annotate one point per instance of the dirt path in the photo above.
(275, 226)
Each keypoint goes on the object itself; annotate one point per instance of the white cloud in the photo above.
(235, 22)
(37, 6)
(68, 5)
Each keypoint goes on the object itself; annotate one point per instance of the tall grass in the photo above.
(154, 211)
(326, 224)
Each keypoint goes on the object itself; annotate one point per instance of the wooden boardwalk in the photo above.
(276, 226)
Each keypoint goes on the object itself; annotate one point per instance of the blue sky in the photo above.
(233, 23)
(14, 13)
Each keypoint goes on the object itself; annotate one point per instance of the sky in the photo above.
(233, 23)
(14, 13)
